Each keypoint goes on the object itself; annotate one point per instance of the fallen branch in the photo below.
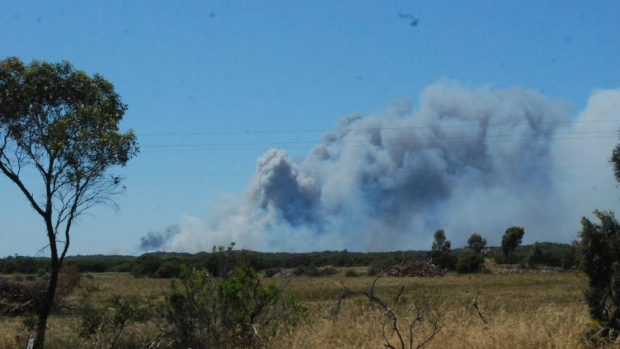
(475, 304)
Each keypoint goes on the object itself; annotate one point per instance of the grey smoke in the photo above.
(156, 240)
(467, 160)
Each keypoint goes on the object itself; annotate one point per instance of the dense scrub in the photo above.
(165, 265)
(535, 310)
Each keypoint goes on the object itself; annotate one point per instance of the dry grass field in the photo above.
(538, 310)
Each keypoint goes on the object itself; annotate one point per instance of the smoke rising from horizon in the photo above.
(155, 240)
(467, 160)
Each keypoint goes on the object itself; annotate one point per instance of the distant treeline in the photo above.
(169, 264)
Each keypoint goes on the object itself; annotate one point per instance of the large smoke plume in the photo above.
(467, 160)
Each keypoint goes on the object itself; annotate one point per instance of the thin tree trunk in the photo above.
(48, 300)
(46, 308)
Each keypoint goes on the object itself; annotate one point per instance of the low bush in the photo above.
(516, 258)
(352, 273)
(229, 312)
(170, 269)
(469, 263)
(373, 270)
(271, 272)
(107, 324)
(314, 271)
(146, 266)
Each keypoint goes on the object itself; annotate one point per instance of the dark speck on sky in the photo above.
(412, 18)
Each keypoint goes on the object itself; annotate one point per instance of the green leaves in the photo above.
(600, 244)
(63, 124)
(205, 311)
(512, 239)
(60, 114)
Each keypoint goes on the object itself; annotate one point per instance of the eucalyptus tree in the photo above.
(476, 242)
(59, 138)
(511, 240)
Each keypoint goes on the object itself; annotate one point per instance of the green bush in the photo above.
(271, 272)
(109, 322)
(314, 271)
(327, 271)
(352, 273)
(373, 270)
(229, 312)
(515, 258)
(444, 260)
(169, 269)
(146, 266)
(600, 246)
(469, 263)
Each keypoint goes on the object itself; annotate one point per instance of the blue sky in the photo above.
(220, 66)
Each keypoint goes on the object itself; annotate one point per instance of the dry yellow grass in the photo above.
(524, 311)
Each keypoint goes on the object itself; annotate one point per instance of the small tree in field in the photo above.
(441, 244)
(511, 240)
(600, 247)
(61, 125)
(476, 242)
(440, 251)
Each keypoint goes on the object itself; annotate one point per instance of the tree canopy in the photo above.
(512, 239)
(441, 244)
(615, 160)
(600, 247)
(476, 242)
(61, 125)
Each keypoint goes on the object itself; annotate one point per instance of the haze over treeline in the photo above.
(463, 159)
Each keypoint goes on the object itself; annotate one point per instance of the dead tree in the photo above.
(405, 338)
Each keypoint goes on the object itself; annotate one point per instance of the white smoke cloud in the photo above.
(468, 160)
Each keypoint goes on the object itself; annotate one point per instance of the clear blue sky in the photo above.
(216, 66)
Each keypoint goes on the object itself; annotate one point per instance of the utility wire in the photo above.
(360, 172)
(248, 132)
(345, 144)
(365, 140)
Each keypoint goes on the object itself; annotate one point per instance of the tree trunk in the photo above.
(46, 308)
(48, 298)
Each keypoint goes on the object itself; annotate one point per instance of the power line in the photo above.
(348, 143)
(366, 140)
(249, 132)
(360, 172)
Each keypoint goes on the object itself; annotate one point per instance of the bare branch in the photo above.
(420, 314)
(475, 304)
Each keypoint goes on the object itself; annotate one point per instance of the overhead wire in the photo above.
(387, 141)
(251, 132)
(551, 168)
(297, 144)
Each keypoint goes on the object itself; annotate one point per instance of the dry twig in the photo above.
(421, 314)
(475, 304)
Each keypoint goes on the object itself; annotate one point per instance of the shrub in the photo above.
(469, 263)
(327, 271)
(600, 246)
(107, 324)
(146, 266)
(233, 311)
(352, 273)
(514, 258)
(169, 269)
(444, 260)
(271, 272)
(373, 270)
(124, 267)
(314, 271)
